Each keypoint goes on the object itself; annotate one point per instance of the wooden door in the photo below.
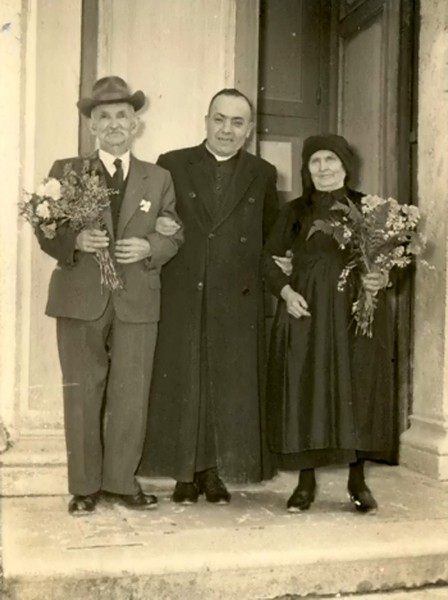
(372, 106)
(293, 83)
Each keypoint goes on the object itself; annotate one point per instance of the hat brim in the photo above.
(86, 105)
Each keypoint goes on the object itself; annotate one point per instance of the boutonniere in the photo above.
(145, 205)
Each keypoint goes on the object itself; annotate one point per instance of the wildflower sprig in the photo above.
(378, 235)
(77, 200)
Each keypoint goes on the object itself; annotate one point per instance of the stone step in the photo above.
(251, 549)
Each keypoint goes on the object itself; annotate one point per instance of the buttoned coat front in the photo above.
(212, 297)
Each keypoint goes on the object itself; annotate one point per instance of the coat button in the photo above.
(251, 200)
(211, 236)
(192, 194)
(245, 291)
(200, 285)
(243, 239)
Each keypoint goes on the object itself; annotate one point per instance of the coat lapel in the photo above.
(133, 195)
(244, 175)
(202, 192)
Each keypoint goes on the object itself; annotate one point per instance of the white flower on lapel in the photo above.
(145, 205)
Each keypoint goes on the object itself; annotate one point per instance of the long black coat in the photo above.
(213, 289)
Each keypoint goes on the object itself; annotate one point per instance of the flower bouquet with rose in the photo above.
(78, 200)
(379, 234)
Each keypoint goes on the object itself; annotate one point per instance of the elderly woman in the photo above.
(329, 392)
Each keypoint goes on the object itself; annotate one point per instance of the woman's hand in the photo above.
(284, 262)
(375, 281)
(296, 304)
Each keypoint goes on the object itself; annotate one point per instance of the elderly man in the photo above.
(206, 410)
(106, 339)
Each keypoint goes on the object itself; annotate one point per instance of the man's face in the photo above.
(114, 125)
(228, 125)
(327, 170)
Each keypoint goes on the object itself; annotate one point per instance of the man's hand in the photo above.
(132, 250)
(166, 226)
(91, 240)
(296, 304)
(284, 262)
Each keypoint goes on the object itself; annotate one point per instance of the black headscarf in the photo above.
(327, 141)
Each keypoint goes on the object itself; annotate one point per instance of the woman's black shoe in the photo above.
(301, 499)
(363, 501)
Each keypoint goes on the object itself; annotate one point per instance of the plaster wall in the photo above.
(425, 445)
(41, 75)
(180, 53)
(11, 15)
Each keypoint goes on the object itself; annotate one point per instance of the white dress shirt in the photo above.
(108, 161)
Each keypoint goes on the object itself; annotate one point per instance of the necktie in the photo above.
(118, 176)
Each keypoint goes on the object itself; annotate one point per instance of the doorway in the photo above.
(347, 67)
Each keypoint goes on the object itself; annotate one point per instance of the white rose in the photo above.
(41, 190)
(43, 210)
(52, 189)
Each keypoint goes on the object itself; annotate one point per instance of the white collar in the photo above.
(108, 161)
(220, 158)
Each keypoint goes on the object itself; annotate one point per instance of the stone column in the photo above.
(40, 67)
(424, 447)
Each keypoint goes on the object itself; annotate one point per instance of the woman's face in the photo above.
(327, 170)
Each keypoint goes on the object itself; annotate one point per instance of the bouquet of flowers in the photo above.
(378, 235)
(78, 200)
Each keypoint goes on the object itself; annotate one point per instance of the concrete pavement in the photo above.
(250, 550)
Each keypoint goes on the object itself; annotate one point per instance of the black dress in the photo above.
(329, 391)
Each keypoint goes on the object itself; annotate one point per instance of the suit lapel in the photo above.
(133, 195)
(244, 175)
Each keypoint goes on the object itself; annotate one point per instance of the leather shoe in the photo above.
(209, 483)
(363, 500)
(138, 501)
(185, 492)
(301, 499)
(81, 506)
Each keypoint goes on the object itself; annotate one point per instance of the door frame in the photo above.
(398, 135)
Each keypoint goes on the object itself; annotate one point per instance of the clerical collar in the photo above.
(108, 161)
(220, 158)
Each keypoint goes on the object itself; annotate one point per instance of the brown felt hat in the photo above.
(111, 90)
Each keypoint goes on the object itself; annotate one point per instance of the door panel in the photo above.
(293, 83)
(373, 46)
(367, 98)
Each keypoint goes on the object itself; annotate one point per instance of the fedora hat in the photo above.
(108, 90)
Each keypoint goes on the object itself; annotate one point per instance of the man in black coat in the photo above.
(206, 415)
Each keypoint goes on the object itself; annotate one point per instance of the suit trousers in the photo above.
(106, 366)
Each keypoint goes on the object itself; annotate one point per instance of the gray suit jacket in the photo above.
(75, 289)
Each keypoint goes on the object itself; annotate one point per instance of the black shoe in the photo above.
(185, 492)
(81, 506)
(209, 483)
(301, 499)
(363, 500)
(138, 501)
